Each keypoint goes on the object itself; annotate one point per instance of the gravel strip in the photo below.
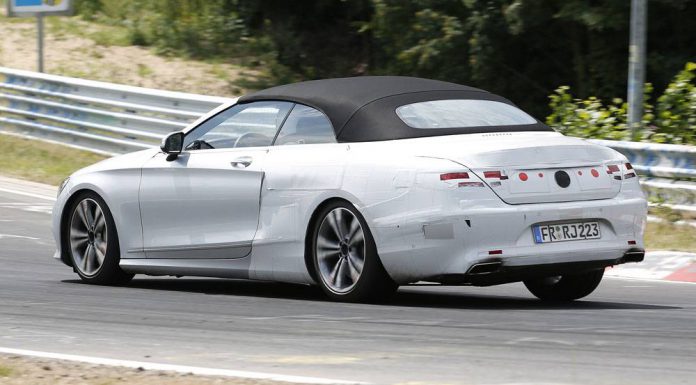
(19, 370)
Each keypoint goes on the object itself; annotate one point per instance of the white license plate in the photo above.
(563, 232)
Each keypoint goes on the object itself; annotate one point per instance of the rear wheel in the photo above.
(93, 241)
(345, 256)
(566, 287)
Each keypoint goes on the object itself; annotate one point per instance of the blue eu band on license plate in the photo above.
(563, 232)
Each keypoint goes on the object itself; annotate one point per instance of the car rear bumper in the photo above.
(450, 242)
(499, 271)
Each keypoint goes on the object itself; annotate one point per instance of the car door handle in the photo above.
(242, 162)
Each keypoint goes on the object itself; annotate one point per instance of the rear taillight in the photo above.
(457, 176)
(630, 173)
(494, 175)
(454, 175)
(612, 168)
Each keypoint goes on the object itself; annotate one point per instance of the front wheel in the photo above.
(93, 241)
(565, 287)
(345, 256)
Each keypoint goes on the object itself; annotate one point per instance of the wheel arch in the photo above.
(337, 196)
(376, 285)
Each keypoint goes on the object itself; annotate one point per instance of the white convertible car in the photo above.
(359, 185)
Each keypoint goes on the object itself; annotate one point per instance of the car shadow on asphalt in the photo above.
(468, 300)
(411, 296)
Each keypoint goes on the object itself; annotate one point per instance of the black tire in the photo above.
(373, 284)
(109, 272)
(566, 287)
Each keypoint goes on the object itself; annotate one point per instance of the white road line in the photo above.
(650, 280)
(31, 207)
(18, 237)
(28, 194)
(175, 368)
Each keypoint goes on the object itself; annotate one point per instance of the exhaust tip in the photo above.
(485, 268)
(633, 255)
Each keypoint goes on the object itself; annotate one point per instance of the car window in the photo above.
(242, 125)
(462, 113)
(306, 125)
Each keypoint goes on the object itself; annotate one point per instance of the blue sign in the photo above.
(35, 7)
(28, 3)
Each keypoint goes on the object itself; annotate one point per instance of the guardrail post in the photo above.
(39, 41)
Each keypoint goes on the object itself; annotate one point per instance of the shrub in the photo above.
(671, 120)
(192, 27)
(676, 109)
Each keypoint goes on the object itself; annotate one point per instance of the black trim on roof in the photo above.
(363, 109)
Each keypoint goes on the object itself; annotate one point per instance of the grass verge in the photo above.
(41, 162)
(668, 236)
(5, 371)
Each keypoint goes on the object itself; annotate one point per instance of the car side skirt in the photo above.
(216, 268)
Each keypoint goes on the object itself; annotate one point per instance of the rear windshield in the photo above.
(462, 113)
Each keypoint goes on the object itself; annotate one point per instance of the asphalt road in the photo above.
(627, 332)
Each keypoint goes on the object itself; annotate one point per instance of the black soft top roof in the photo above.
(364, 108)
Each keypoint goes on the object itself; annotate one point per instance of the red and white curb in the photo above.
(659, 265)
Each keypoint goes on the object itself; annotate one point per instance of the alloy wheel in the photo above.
(88, 237)
(340, 250)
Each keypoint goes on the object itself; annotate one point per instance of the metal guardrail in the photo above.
(659, 160)
(113, 119)
(668, 171)
(102, 117)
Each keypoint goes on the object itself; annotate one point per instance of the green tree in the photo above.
(522, 49)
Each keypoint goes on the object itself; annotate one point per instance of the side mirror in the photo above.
(172, 144)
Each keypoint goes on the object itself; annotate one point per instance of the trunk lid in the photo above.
(539, 167)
